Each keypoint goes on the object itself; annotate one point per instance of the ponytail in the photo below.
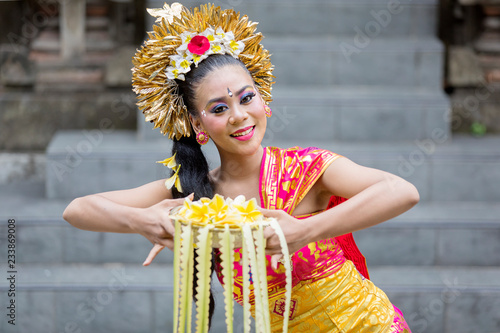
(194, 169)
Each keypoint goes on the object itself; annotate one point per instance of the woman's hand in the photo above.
(154, 223)
(294, 230)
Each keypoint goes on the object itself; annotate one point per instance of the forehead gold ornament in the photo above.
(153, 76)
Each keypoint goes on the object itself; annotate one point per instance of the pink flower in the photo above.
(199, 45)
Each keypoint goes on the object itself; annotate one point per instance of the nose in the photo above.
(238, 114)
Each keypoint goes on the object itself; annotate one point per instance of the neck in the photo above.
(240, 167)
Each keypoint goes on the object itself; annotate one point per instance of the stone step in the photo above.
(394, 62)
(49, 41)
(70, 78)
(128, 298)
(84, 162)
(91, 23)
(430, 234)
(409, 19)
(60, 110)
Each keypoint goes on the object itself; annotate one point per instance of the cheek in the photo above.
(215, 124)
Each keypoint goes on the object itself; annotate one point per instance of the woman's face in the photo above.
(230, 110)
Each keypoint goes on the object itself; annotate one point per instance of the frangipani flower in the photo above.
(169, 162)
(174, 180)
(220, 211)
(218, 208)
(248, 210)
(198, 212)
(196, 47)
(167, 12)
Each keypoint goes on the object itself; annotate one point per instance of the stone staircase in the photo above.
(375, 99)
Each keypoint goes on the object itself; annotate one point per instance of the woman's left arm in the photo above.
(374, 196)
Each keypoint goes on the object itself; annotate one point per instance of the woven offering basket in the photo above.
(218, 229)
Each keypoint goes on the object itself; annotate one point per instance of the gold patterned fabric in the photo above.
(342, 302)
(329, 294)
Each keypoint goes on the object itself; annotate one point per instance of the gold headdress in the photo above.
(182, 37)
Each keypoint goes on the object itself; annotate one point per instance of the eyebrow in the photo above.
(221, 98)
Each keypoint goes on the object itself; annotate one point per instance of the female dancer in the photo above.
(203, 74)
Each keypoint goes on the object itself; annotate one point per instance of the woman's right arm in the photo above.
(143, 210)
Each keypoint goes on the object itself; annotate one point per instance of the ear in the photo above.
(196, 123)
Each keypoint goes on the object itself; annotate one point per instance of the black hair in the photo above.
(194, 171)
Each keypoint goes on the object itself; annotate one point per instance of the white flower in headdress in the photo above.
(166, 12)
(195, 48)
(222, 36)
(233, 47)
(185, 37)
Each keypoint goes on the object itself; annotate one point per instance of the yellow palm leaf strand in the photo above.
(177, 265)
(204, 250)
(227, 259)
(288, 289)
(246, 286)
(255, 267)
(261, 260)
(186, 252)
(190, 284)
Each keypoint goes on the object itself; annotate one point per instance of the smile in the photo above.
(244, 134)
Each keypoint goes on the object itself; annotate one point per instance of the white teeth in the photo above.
(243, 133)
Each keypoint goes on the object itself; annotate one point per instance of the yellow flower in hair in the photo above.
(169, 162)
(174, 180)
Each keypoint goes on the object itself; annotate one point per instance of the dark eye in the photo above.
(219, 108)
(247, 98)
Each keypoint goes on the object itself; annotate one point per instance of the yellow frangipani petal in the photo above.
(169, 162)
(174, 180)
(169, 183)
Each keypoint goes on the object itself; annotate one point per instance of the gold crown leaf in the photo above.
(158, 96)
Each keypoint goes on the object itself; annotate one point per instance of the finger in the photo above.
(169, 243)
(153, 253)
(275, 258)
(271, 212)
(169, 227)
(173, 202)
(268, 232)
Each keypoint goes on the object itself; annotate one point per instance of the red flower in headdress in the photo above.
(199, 45)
